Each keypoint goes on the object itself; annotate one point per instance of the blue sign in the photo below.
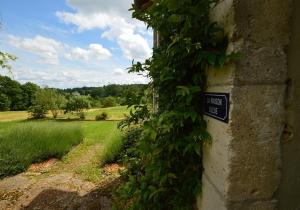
(216, 105)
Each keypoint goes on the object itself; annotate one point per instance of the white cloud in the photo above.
(47, 49)
(112, 17)
(84, 22)
(134, 46)
(119, 71)
(50, 50)
(95, 51)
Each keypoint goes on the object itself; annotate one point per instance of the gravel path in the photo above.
(53, 186)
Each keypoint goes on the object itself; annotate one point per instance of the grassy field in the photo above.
(114, 113)
(11, 116)
(25, 142)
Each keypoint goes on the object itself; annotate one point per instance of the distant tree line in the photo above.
(18, 97)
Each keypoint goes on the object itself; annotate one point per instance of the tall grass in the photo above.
(30, 142)
(111, 149)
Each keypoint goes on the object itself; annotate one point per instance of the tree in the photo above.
(109, 102)
(77, 104)
(4, 59)
(4, 102)
(29, 91)
(37, 112)
(13, 90)
(51, 100)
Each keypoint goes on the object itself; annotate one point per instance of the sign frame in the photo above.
(224, 107)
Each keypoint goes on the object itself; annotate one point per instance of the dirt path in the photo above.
(56, 185)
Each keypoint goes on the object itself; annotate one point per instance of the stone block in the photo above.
(221, 77)
(264, 28)
(258, 205)
(261, 65)
(257, 124)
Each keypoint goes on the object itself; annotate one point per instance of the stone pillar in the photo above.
(289, 191)
(242, 165)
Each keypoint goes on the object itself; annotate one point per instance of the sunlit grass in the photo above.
(29, 142)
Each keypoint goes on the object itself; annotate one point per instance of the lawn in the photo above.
(14, 115)
(114, 113)
(25, 142)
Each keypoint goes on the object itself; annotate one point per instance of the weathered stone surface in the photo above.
(289, 191)
(258, 205)
(243, 163)
(263, 65)
(211, 199)
(264, 22)
(221, 77)
(257, 124)
(264, 27)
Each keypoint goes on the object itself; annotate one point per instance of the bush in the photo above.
(37, 112)
(101, 116)
(109, 102)
(82, 116)
(77, 104)
(32, 142)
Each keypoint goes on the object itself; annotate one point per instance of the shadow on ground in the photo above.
(53, 199)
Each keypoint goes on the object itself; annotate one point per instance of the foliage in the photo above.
(29, 90)
(101, 116)
(37, 112)
(13, 90)
(111, 149)
(109, 102)
(165, 171)
(82, 115)
(114, 90)
(5, 58)
(20, 96)
(4, 102)
(51, 100)
(77, 104)
(30, 142)
(23, 96)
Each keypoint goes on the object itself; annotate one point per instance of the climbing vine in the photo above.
(164, 167)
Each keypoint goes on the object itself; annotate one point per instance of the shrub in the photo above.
(37, 112)
(77, 104)
(82, 115)
(109, 102)
(31, 142)
(101, 116)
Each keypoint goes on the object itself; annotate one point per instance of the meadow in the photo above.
(23, 142)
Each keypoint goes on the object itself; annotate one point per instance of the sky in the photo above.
(73, 43)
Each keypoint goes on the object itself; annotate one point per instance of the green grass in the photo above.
(24, 143)
(99, 138)
(114, 113)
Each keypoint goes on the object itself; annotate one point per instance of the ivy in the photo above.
(166, 168)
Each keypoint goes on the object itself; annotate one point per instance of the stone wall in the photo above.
(242, 166)
(289, 191)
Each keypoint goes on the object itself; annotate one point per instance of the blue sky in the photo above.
(73, 43)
